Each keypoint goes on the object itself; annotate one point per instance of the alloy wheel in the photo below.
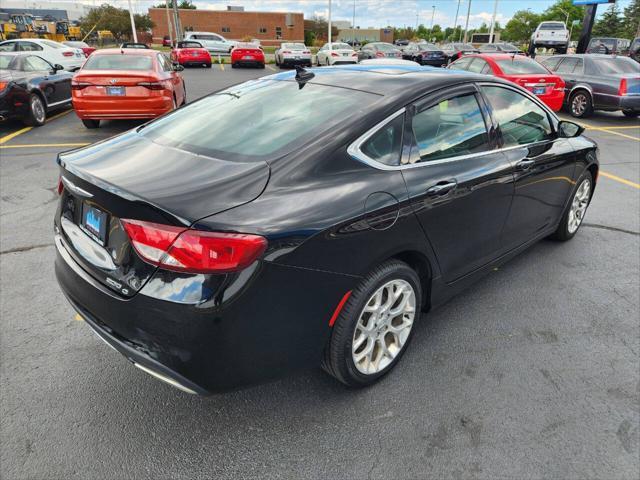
(383, 326)
(579, 206)
(37, 108)
(579, 104)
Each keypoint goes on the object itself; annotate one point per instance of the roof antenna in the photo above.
(303, 76)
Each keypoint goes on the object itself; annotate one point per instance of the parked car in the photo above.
(189, 54)
(550, 35)
(634, 50)
(30, 87)
(520, 70)
(247, 54)
(425, 54)
(53, 52)
(608, 46)
(118, 84)
(340, 53)
(211, 41)
(379, 50)
(500, 48)
(134, 45)
(84, 46)
(401, 42)
(166, 41)
(454, 51)
(214, 256)
(598, 82)
(293, 54)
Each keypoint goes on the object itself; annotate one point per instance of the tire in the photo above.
(261, 66)
(576, 210)
(184, 96)
(37, 114)
(339, 357)
(234, 65)
(580, 104)
(630, 113)
(91, 124)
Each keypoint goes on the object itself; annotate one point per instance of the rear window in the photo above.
(118, 62)
(257, 120)
(385, 46)
(340, 46)
(5, 60)
(294, 46)
(508, 46)
(521, 66)
(552, 26)
(609, 43)
(189, 45)
(617, 65)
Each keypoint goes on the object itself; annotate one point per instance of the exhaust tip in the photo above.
(164, 379)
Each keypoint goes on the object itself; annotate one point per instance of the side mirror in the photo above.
(57, 67)
(569, 129)
(177, 67)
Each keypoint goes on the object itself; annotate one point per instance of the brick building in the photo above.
(271, 28)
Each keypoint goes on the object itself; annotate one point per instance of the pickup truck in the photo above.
(550, 35)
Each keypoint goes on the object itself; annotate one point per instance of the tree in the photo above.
(116, 20)
(521, 26)
(631, 20)
(186, 4)
(610, 24)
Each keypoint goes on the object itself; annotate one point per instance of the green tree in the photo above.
(610, 24)
(116, 20)
(631, 20)
(186, 4)
(521, 26)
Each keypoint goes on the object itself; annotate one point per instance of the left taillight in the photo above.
(3, 85)
(622, 89)
(193, 251)
(152, 85)
(60, 185)
(75, 85)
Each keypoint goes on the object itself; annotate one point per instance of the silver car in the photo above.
(290, 54)
(211, 41)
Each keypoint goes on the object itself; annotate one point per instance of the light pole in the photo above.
(466, 26)
(133, 24)
(353, 22)
(433, 14)
(166, 7)
(493, 21)
(455, 20)
(329, 33)
(566, 21)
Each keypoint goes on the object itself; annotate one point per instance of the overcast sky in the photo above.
(379, 13)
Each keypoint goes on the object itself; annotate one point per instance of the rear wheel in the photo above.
(91, 123)
(573, 217)
(37, 111)
(375, 325)
(580, 104)
(631, 113)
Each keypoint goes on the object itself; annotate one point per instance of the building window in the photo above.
(278, 33)
(263, 30)
(226, 30)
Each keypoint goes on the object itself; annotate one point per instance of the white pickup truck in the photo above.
(550, 35)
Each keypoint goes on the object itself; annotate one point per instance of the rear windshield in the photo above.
(516, 66)
(76, 44)
(257, 120)
(294, 46)
(340, 46)
(508, 46)
(617, 65)
(552, 26)
(53, 44)
(189, 45)
(118, 62)
(609, 43)
(5, 60)
(385, 46)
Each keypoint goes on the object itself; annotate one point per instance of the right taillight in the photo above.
(194, 251)
(151, 85)
(3, 85)
(622, 89)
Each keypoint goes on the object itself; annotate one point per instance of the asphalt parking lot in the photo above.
(532, 373)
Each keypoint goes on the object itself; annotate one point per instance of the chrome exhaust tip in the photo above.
(164, 379)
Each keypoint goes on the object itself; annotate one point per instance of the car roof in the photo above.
(498, 56)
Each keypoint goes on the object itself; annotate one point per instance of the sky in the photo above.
(376, 13)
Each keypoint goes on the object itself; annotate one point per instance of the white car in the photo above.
(339, 54)
(388, 61)
(293, 54)
(211, 41)
(550, 35)
(53, 52)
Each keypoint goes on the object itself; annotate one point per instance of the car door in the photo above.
(543, 164)
(459, 183)
(55, 86)
(168, 73)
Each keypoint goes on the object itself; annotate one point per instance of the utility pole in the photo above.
(466, 26)
(455, 20)
(493, 21)
(176, 21)
(166, 8)
(329, 33)
(353, 22)
(133, 24)
(433, 14)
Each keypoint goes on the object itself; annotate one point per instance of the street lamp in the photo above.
(433, 14)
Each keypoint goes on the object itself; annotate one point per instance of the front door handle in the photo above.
(441, 188)
(525, 164)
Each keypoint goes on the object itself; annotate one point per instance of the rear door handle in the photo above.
(441, 188)
(525, 164)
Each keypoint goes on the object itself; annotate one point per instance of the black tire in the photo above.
(37, 114)
(91, 123)
(207, 65)
(630, 113)
(261, 66)
(184, 98)
(234, 65)
(563, 232)
(580, 104)
(338, 360)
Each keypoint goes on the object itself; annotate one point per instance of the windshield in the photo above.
(118, 62)
(385, 47)
(258, 119)
(294, 46)
(617, 65)
(521, 66)
(5, 60)
(552, 26)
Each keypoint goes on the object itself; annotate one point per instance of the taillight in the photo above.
(67, 54)
(334, 54)
(306, 52)
(3, 85)
(195, 251)
(79, 85)
(60, 185)
(379, 54)
(151, 85)
(286, 51)
(622, 90)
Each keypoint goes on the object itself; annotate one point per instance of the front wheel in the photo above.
(37, 113)
(375, 325)
(573, 217)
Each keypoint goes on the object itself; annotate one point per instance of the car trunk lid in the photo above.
(539, 84)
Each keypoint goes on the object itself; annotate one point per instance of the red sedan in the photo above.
(247, 54)
(126, 83)
(190, 53)
(521, 70)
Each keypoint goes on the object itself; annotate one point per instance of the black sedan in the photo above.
(425, 54)
(213, 256)
(454, 51)
(598, 82)
(500, 47)
(30, 87)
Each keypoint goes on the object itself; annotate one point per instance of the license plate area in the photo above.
(539, 90)
(116, 91)
(94, 223)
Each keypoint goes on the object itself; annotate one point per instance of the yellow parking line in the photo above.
(619, 179)
(221, 66)
(6, 138)
(270, 68)
(58, 115)
(607, 130)
(44, 145)
(626, 127)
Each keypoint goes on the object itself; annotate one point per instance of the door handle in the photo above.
(525, 164)
(442, 188)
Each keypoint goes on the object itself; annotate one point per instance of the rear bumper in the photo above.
(121, 108)
(254, 63)
(554, 101)
(196, 62)
(434, 62)
(296, 61)
(253, 326)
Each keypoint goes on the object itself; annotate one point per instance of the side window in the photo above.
(552, 63)
(36, 64)
(28, 47)
(278, 33)
(385, 145)
(567, 65)
(521, 120)
(478, 66)
(216, 38)
(462, 64)
(451, 128)
(7, 47)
